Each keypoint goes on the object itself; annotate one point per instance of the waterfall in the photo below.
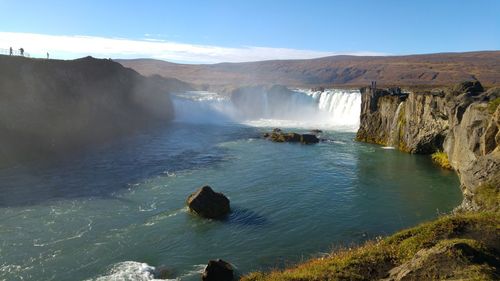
(329, 109)
(394, 137)
(339, 107)
(203, 107)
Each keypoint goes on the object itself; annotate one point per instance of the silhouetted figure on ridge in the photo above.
(10, 51)
(21, 50)
(47, 55)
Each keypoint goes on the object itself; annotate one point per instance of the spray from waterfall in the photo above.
(329, 109)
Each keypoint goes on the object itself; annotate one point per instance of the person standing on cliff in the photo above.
(47, 55)
(10, 51)
(21, 50)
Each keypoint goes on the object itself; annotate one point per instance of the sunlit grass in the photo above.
(441, 159)
(372, 260)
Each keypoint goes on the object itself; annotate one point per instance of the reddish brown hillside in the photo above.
(432, 69)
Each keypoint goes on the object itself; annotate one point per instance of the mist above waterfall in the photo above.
(272, 107)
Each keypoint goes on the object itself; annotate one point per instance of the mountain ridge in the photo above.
(342, 70)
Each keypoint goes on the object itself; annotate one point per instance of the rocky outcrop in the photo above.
(218, 270)
(277, 135)
(48, 107)
(456, 120)
(457, 259)
(208, 204)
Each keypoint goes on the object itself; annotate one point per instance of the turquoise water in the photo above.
(118, 210)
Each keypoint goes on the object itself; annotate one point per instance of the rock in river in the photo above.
(278, 135)
(208, 204)
(218, 270)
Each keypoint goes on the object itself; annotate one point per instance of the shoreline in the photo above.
(463, 244)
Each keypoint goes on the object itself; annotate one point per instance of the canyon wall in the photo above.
(50, 106)
(463, 121)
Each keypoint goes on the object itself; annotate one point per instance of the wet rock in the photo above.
(208, 204)
(218, 270)
(309, 139)
(163, 272)
(277, 135)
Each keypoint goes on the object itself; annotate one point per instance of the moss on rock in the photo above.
(441, 159)
(466, 242)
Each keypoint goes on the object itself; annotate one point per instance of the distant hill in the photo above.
(50, 106)
(431, 69)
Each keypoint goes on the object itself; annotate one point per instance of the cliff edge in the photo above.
(462, 121)
(461, 124)
(50, 106)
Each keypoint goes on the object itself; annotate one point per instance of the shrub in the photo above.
(492, 105)
(441, 159)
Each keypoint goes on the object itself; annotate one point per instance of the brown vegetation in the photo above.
(413, 70)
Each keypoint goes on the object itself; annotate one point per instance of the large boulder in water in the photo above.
(208, 204)
(278, 135)
(218, 270)
(308, 139)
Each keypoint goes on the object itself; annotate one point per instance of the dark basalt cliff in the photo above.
(462, 121)
(50, 106)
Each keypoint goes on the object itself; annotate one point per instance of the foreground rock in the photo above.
(457, 247)
(451, 259)
(218, 270)
(277, 135)
(208, 204)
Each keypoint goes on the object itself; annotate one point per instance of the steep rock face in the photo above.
(50, 106)
(457, 120)
(378, 115)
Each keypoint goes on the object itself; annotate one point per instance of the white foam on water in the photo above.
(197, 270)
(159, 217)
(388, 147)
(129, 271)
(329, 109)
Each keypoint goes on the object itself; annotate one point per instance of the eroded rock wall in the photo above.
(462, 121)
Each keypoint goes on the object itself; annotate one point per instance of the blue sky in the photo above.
(213, 31)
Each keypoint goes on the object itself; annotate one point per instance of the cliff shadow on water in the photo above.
(49, 107)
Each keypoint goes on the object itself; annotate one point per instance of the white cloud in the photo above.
(74, 46)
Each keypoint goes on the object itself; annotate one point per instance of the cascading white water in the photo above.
(339, 108)
(394, 141)
(332, 108)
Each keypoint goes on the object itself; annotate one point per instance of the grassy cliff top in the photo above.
(458, 247)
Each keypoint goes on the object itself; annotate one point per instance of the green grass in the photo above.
(441, 159)
(487, 195)
(492, 105)
(374, 259)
